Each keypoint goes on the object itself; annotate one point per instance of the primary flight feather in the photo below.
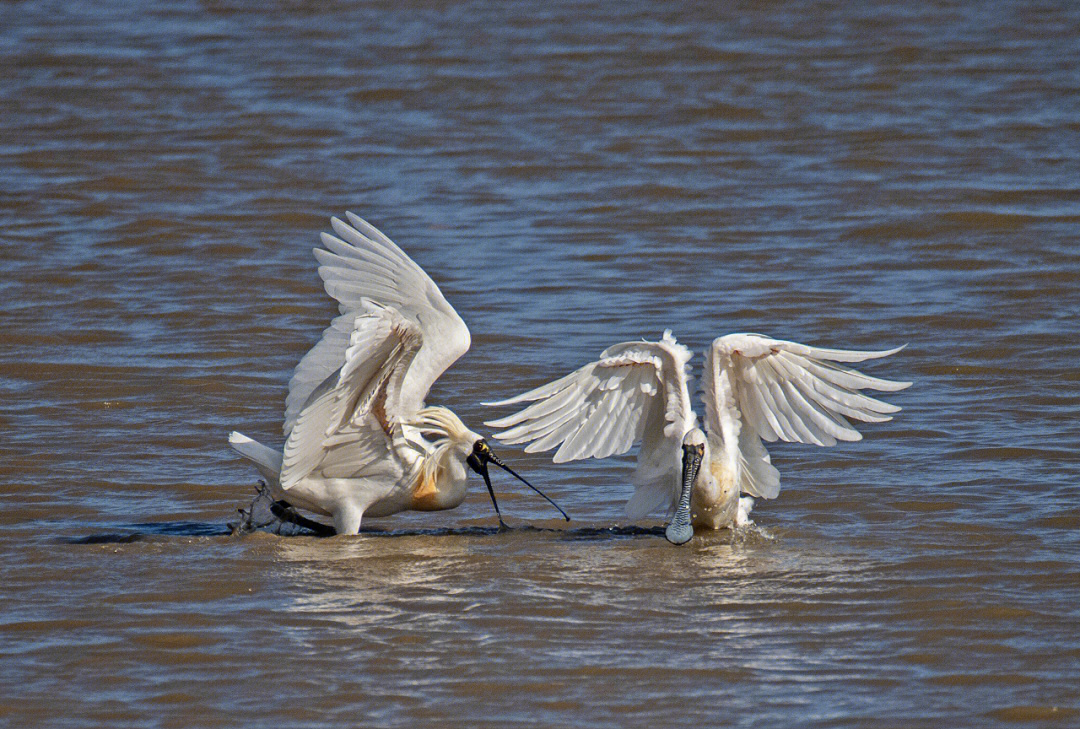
(359, 440)
(754, 388)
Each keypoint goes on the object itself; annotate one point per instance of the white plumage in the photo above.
(754, 388)
(359, 439)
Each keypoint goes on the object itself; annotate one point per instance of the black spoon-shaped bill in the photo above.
(680, 531)
(478, 461)
(481, 467)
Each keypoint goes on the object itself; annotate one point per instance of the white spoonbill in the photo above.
(359, 439)
(754, 388)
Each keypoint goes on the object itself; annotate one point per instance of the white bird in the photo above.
(359, 439)
(754, 388)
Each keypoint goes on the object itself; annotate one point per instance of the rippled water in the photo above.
(856, 175)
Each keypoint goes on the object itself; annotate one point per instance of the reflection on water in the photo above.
(857, 175)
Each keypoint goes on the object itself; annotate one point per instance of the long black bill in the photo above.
(481, 468)
(680, 531)
(495, 459)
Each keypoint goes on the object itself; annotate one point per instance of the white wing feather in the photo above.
(361, 264)
(635, 391)
(321, 361)
(349, 419)
(375, 363)
(786, 391)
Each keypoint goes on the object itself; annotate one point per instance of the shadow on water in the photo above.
(268, 516)
(147, 530)
(153, 530)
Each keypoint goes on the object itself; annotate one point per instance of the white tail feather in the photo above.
(267, 460)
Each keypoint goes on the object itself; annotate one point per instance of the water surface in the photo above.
(572, 176)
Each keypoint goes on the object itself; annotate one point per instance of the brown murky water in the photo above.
(856, 175)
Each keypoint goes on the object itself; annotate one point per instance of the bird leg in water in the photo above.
(283, 510)
(264, 512)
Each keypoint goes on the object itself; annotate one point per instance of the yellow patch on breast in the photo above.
(425, 493)
(723, 477)
(714, 506)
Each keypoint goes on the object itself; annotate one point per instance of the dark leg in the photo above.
(283, 510)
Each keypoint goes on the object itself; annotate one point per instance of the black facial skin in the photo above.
(479, 457)
(478, 461)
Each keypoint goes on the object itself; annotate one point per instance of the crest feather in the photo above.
(442, 422)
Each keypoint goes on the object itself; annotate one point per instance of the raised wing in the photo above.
(786, 391)
(349, 420)
(359, 265)
(321, 361)
(635, 391)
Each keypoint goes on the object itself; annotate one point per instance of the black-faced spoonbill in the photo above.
(754, 388)
(359, 439)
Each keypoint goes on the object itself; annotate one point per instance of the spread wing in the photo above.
(360, 265)
(758, 388)
(636, 391)
(376, 361)
(348, 423)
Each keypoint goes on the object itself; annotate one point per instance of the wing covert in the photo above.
(603, 408)
(352, 414)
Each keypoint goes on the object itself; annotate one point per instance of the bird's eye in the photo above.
(480, 446)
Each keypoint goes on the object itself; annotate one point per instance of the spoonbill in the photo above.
(754, 388)
(359, 440)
